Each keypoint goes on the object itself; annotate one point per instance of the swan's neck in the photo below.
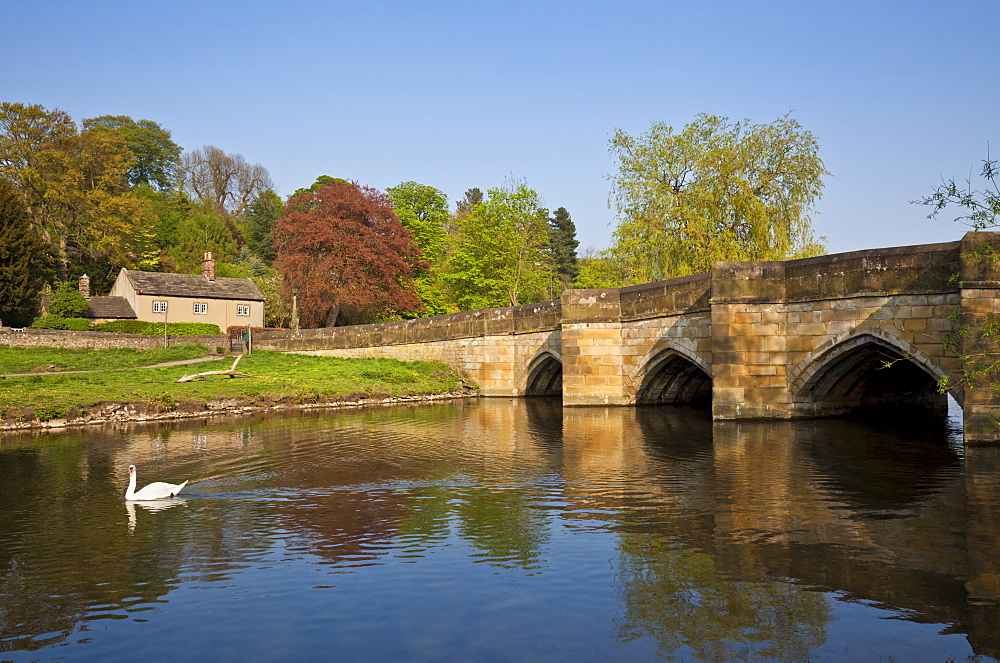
(131, 485)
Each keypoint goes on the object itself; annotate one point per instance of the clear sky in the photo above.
(465, 94)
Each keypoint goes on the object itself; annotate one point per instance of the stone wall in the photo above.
(85, 340)
(499, 364)
(467, 324)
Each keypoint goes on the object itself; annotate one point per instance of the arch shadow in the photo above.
(544, 376)
(868, 374)
(671, 377)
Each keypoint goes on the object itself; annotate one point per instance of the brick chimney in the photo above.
(85, 286)
(208, 267)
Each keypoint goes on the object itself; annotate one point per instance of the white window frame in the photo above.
(200, 308)
(243, 309)
(159, 307)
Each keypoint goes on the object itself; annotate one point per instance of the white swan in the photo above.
(157, 490)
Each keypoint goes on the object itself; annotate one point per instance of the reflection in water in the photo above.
(480, 529)
(148, 505)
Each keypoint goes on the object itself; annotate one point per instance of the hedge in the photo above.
(127, 326)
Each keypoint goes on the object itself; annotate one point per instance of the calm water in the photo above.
(502, 530)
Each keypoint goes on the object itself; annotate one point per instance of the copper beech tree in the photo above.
(343, 247)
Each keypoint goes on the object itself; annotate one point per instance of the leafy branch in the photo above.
(980, 206)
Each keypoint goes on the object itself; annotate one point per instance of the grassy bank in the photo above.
(277, 379)
(25, 360)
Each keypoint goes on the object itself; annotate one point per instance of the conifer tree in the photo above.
(25, 260)
(473, 197)
(261, 216)
(562, 239)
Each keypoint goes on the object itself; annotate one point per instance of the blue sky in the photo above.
(459, 95)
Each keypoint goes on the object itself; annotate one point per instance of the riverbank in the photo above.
(42, 388)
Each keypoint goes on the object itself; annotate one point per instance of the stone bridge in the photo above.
(826, 336)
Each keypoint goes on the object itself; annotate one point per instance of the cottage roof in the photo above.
(110, 307)
(193, 285)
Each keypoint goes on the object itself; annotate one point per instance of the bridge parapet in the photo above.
(544, 316)
(910, 269)
(778, 340)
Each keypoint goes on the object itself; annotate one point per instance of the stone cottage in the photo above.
(159, 296)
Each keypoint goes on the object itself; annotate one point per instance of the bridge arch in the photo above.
(672, 375)
(544, 375)
(867, 369)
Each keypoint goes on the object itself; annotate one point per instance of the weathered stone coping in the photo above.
(524, 319)
(919, 269)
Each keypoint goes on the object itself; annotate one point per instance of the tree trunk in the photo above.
(63, 259)
(332, 315)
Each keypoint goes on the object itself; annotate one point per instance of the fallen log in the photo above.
(232, 373)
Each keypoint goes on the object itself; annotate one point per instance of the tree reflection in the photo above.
(503, 525)
(678, 596)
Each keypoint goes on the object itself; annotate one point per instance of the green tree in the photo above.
(198, 232)
(472, 198)
(599, 270)
(25, 260)
(66, 301)
(259, 222)
(74, 185)
(980, 207)
(716, 190)
(156, 155)
(423, 210)
(320, 181)
(562, 236)
(501, 255)
(168, 208)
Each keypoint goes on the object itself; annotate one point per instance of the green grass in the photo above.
(23, 360)
(277, 377)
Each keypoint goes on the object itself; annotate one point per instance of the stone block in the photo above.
(944, 310)
(761, 369)
(765, 329)
(800, 343)
(942, 324)
(745, 317)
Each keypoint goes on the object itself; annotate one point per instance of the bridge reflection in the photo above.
(890, 515)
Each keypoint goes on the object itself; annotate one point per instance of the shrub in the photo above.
(67, 300)
(183, 329)
(122, 326)
(49, 322)
(77, 324)
(156, 328)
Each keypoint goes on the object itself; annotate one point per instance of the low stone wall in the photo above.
(498, 364)
(84, 340)
(525, 319)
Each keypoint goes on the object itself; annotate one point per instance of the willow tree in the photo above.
(715, 190)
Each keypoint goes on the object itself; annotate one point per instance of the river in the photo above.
(502, 530)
